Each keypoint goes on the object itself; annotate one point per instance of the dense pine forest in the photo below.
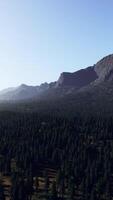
(56, 155)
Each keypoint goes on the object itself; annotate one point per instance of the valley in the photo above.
(59, 147)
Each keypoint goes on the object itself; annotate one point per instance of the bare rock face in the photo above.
(104, 69)
(77, 79)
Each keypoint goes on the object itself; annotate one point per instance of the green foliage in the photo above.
(78, 147)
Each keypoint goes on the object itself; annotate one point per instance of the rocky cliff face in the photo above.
(100, 72)
(104, 69)
(77, 79)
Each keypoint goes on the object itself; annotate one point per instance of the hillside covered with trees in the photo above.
(52, 156)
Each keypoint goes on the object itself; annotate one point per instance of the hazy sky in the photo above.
(41, 38)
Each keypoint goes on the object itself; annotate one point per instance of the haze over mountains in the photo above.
(68, 83)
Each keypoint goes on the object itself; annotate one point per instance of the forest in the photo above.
(56, 155)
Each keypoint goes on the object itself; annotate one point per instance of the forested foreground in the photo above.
(52, 157)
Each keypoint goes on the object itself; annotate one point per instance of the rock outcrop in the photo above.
(77, 79)
(104, 69)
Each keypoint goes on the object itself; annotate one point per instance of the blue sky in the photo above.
(39, 39)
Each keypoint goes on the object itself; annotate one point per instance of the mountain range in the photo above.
(68, 83)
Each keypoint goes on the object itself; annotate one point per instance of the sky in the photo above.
(39, 39)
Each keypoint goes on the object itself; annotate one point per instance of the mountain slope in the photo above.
(68, 83)
(104, 69)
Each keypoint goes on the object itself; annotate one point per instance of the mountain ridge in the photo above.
(68, 82)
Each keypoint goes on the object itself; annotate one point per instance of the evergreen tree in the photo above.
(2, 195)
(53, 191)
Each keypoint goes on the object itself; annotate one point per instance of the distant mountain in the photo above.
(22, 92)
(68, 83)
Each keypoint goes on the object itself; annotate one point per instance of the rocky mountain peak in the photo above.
(23, 85)
(104, 68)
